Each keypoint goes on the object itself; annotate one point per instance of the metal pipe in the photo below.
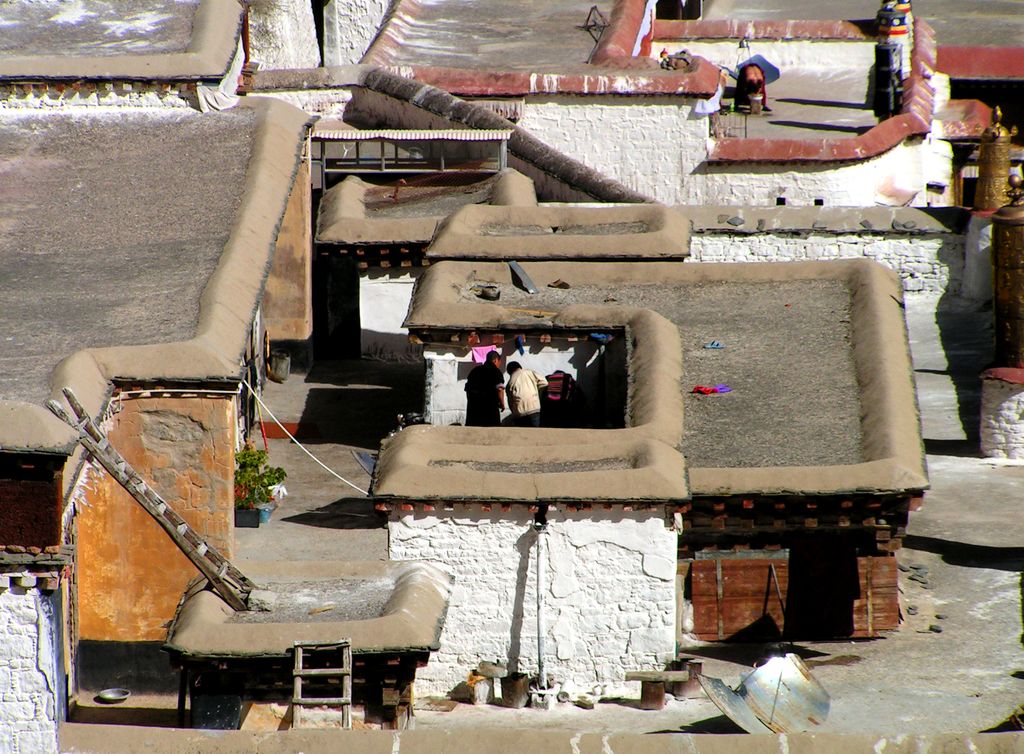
(541, 526)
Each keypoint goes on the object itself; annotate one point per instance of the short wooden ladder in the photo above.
(326, 669)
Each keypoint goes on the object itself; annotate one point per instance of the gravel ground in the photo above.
(322, 601)
(787, 357)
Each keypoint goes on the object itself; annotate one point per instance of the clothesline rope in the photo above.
(291, 437)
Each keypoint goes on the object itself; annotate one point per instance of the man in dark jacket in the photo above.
(485, 393)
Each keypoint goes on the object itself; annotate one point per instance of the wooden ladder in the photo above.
(230, 583)
(329, 666)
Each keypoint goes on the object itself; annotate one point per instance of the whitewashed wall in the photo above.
(654, 145)
(28, 723)
(349, 28)
(895, 178)
(650, 144)
(282, 34)
(384, 297)
(610, 593)
(1002, 419)
(104, 94)
(925, 263)
(448, 368)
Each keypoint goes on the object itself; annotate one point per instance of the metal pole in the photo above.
(542, 531)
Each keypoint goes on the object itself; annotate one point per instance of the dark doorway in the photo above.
(335, 307)
(823, 584)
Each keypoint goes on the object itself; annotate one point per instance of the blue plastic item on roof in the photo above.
(771, 71)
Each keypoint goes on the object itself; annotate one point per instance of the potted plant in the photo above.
(256, 485)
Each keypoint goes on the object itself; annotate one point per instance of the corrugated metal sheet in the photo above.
(396, 134)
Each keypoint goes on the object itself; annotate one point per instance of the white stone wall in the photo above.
(349, 28)
(104, 94)
(925, 263)
(649, 144)
(384, 297)
(895, 178)
(656, 146)
(609, 597)
(282, 34)
(448, 368)
(28, 706)
(1002, 419)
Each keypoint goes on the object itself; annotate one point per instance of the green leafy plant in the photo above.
(254, 478)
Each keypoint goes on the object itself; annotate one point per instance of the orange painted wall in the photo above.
(288, 301)
(130, 574)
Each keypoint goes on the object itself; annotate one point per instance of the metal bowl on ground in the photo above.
(113, 696)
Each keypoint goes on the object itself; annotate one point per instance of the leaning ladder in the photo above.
(329, 667)
(227, 580)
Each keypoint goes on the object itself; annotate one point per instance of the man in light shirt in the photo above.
(523, 391)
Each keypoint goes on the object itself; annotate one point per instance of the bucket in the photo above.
(515, 690)
(279, 366)
(756, 103)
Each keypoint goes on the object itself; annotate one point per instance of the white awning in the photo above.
(336, 132)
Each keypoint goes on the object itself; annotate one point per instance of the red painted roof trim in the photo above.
(964, 119)
(474, 83)
(982, 62)
(914, 120)
(615, 70)
(1004, 374)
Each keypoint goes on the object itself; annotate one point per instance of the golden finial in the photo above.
(1016, 192)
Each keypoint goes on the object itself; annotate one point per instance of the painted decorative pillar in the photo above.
(892, 58)
(993, 164)
(1002, 386)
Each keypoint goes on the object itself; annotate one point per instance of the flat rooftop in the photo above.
(787, 356)
(114, 224)
(514, 36)
(126, 39)
(992, 23)
(117, 224)
(821, 400)
(97, 27)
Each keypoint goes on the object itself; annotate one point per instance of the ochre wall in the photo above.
(130, 574)
(288, 301)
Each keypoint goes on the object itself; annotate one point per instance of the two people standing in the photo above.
(486, 392)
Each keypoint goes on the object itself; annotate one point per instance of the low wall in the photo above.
(926, 264)
(609, 598)
(28, 680)
(895, 178)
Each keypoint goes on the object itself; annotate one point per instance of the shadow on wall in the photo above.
(524, 546)
(966, 335)
(389, 346)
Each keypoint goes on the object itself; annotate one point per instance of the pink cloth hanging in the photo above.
(480, 353)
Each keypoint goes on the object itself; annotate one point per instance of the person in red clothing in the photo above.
(750, 81)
